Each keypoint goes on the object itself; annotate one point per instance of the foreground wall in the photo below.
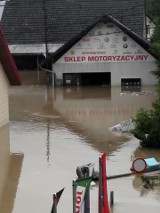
(4, 158)
(4, 111)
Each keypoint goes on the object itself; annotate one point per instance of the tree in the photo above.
(153, 9)
(149, 8)
(147, 123)
(155, 48)
(147, 126)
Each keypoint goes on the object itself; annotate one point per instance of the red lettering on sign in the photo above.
(114, 58)
(123, 58)
(136, 57)
(90, 58)
(127, 57)
(109, 58)
(74, 59)
(83, 58)
(78, 200)
(102, 58)
(145, 57)
(118, 58)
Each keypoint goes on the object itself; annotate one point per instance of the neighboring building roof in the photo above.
(26, 22)
(150, 27)
(150, 19)
(32, 49)
(7, 62)
(63, 49)
(2, 4)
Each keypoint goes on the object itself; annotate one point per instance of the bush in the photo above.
(147, 126)
(147, 123)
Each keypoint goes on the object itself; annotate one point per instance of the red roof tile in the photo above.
(7, 62)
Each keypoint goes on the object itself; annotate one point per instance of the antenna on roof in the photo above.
(45, 27)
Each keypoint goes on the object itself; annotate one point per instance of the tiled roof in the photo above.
(8, 63)
(24, 21)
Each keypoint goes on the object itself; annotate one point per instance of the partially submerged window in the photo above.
(131, 84)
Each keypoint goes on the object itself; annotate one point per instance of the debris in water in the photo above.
(123, 127)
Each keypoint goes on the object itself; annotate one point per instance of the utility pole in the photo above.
(45, 27)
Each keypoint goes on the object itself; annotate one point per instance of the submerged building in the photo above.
(107, 53)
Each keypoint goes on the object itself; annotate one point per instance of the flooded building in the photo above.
(107, 53)
(98, 42)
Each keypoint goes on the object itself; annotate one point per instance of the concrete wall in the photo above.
(4, 111)
(133, 70)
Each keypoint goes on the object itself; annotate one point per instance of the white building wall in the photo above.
(118, 70)
(133, 70)
(4, 109)
(59, 69)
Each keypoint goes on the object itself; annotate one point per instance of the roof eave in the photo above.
(8, 62)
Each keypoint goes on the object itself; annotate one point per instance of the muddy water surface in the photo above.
(52, 131)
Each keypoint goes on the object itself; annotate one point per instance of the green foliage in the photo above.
(153, 9)
(147, 123)
(155, 48)
(149, 7)
(143, 122)
(150, 181)
(155, 39)
(147, 126)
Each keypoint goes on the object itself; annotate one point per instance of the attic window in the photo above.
(148, 29)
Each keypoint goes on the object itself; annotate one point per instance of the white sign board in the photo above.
(105, 43)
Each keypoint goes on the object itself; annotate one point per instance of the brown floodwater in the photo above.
(54, 130)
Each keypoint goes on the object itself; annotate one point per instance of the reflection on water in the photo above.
(86, 93)
(10, 168)
(145, 152)
(96, 109)
(58, 129)
(143, 192)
